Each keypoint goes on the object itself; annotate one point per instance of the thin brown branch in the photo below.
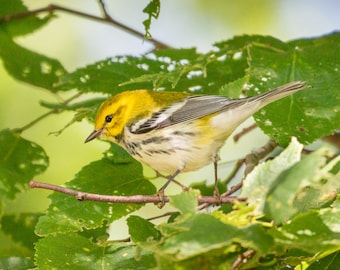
(106, 19)
(43, 116)
(104, 10)
(232, 190)
(235, 170)
(167, 214)
(252, 159)
(244, 257)
(243, 132)
(85, 196)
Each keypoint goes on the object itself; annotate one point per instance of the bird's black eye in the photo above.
(108, 118)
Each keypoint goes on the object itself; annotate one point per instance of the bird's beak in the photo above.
(94, 134)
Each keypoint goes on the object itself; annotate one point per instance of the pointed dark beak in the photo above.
(93, 135)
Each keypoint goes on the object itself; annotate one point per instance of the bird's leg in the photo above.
(184, 187)
(160, 192)
(216, 191)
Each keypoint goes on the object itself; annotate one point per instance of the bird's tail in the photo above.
(278, 93)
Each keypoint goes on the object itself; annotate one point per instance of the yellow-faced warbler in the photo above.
(176, 132)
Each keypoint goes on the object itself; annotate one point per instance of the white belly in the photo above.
(167, 150)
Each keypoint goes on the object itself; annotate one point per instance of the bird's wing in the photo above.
(190, 108)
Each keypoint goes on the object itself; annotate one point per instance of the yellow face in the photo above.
(117, 111)
(110, 118)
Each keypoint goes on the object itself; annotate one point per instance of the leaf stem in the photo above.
(43, 116)
(105, 19)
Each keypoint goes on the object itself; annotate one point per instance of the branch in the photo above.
(243, 132)
(85, 196)
(43, 116)
(252, 159)
(105, 19)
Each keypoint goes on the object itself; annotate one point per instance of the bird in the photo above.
(175, 132)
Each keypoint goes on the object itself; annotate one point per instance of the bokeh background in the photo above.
(77, 42)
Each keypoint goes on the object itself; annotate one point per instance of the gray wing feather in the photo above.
(193, 107)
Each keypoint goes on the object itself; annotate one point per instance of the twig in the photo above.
(245, 256)
(252, 159)
(163, 215)
(106, 19)
(103, 9)
(232, 190)
(236, 168)
(41, 117)
(244, 131)
(85, 196)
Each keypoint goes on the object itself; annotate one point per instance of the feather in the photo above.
(195, 107)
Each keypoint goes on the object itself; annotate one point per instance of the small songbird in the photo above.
(176, 132)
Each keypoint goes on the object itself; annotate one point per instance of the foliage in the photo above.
(292, 215)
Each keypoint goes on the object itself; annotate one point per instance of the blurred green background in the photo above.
(77, 42)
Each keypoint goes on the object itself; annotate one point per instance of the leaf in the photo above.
(24, 25)
(72, 251)
(66, 214)
(169, 70)
(330, 262)
(21, 228)
(201, 239)
(194, 236)
(288, 195)
(269, 62)
(186, 201)
(152, 9)
(28, 66)
(20, 161)
(313, 112)
(17, 263)
(141, 230)
(321, 234)
(258, 183)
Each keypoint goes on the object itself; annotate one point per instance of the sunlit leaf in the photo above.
(260, 180)
(289, 194)
(142, 230)
(17, 263)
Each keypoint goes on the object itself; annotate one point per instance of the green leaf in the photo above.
(28, 66)
(20, 161)
(152, 9)
(141, 230)
(201, 236)
(195, 235)
(21, 228)
(289, 194)
(118, 154)
(268, 62)
(66, 214)
(321, 234)
(72, 251)
(257, 183)
(23, 25)
(17, 263)
(308, 114)
(169, 70)
(330, 262)
(186, 201)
